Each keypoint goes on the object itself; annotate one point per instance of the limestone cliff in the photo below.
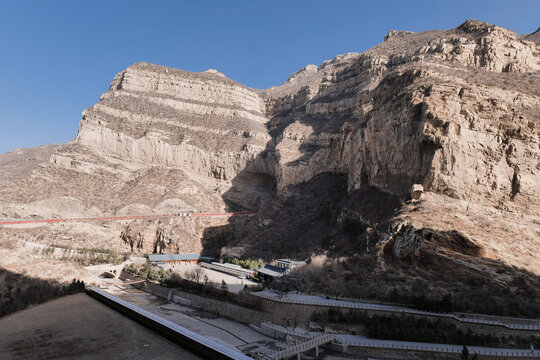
(412, 109)
(455, 111)
(159, 140)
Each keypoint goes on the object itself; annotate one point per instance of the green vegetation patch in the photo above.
(149, 272)
(249, 264)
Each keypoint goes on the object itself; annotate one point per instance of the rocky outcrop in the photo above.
(394, 33)
(405, 242)
(203, 123)
(416, 191)
(134, 239)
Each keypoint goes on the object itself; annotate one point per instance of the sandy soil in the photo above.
(79, 327)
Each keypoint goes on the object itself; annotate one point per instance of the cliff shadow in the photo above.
(312, 217)
(20, 291)
(310, 212)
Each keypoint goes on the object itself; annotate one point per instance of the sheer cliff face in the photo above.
(456, 111)
(202, 123)
(159, 140)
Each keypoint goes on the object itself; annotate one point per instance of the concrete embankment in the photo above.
(228, 310)
(194, 342)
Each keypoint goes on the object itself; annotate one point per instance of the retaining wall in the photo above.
(222, 308)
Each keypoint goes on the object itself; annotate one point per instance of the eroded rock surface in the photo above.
(454, 111)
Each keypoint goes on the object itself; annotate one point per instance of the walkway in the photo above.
(293, 350)
(442, 348)
(294, 298)
(359, 341)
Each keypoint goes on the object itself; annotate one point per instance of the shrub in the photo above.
(246, 263)
(149, 272)
(353, 227)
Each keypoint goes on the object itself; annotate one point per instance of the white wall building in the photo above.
(289, 264)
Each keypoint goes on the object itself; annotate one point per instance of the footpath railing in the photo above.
(278, 330)
(301, 347)
(442, 348)
(389, 308)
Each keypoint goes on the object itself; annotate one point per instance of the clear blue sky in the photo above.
(57, 57)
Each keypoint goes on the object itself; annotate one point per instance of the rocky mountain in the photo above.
(535, 36)
(454, 111)
(328, 158)
(19, 163)
(159, 141)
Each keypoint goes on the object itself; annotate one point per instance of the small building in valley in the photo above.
(289, 264)
(173, 259)
(270, 272)
(228, 268)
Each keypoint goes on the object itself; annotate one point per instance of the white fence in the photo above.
(280, 331)
(308, 340)
(441, 348)
(300, 348)
(396, 309)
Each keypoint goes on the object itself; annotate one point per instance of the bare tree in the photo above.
(199, 273)
(190, 275)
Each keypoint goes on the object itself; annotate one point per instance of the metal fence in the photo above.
(300, 348)
(398, 345)
(444, 349)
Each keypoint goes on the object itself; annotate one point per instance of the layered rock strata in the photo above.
(453, 111)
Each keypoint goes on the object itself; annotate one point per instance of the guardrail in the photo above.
(287, 331)
(368, 306)
(188, 339)
(403, 345)
(455, 349)
(300, 348)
